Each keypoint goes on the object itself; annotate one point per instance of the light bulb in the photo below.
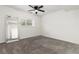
(36, 10)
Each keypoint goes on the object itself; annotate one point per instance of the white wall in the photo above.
(24, 31)
(63, 25)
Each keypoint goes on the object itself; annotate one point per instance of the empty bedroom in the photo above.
(39, 29)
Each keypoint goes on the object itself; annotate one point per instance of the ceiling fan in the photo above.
(37, 8)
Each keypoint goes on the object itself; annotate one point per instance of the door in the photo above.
(12, 28)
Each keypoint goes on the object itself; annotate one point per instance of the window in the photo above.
(29, 22)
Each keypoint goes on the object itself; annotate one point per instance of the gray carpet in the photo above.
(39, 45)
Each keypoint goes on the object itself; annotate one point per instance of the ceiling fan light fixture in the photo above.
(37, 8)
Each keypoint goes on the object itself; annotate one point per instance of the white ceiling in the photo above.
(47, 8)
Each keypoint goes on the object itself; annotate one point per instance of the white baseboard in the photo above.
(11, 41)
(50, 36)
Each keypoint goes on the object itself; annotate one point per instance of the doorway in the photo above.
(12, 29)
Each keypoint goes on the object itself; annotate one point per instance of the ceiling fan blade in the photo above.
(31, 6)
(41, 6)
(41, 10)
